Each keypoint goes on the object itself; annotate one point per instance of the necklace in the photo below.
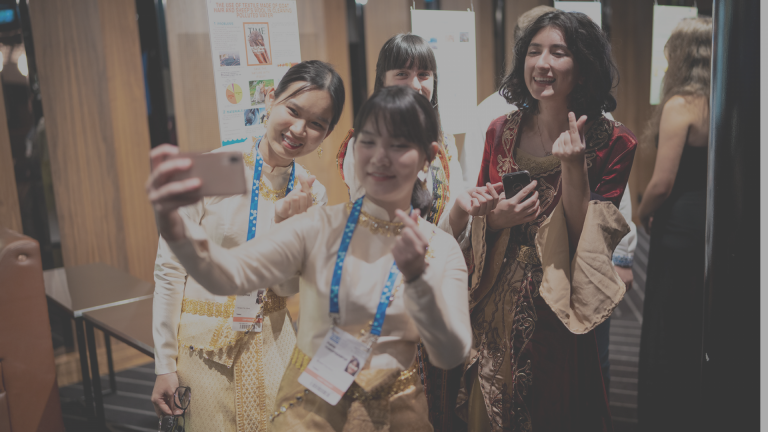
(541, 141)
(376, 225)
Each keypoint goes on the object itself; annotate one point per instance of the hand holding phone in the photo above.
(515, 182)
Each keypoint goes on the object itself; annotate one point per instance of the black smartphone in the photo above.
(515, 182)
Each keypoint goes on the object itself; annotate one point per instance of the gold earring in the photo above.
(426, 168)
(319, 152)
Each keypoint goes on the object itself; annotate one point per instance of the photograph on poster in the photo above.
(464, 37)
(259, 90)
(229, 59)
(257, 43)
(255, 116)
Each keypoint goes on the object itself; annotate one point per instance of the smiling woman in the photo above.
(362, 260)
(197, 341)
(533, 315)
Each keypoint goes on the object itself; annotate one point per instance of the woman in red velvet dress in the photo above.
(541, 277)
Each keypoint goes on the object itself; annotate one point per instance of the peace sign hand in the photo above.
(571, 146)
(410, 247)
(296, 202)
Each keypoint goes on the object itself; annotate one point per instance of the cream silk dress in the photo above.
(234, 379)
(434, 307)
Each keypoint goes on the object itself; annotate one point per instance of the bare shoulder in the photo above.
(688, 106)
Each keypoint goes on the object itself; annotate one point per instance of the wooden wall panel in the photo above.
(92, 86)
(10, 214)
(194, 92)
(632, 25)
(323, 36)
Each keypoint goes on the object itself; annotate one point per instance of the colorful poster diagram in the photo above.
(665, 19)
(234, 93)
(253, 44)
(451, 34)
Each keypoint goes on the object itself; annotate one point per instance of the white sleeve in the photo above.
(625, 251)
(355, 188)
(441, 313)
(170, 280)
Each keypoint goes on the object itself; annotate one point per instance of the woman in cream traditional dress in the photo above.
(234, 375)
(397, 136)
(407, 60)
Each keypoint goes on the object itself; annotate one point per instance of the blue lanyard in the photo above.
(346, 238)
(258, 165)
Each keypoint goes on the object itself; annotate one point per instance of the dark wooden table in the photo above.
(90, 288)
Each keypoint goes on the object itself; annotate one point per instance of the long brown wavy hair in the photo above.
(689, 53)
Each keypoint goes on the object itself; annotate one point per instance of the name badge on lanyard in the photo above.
(341, 356)
(248, 314)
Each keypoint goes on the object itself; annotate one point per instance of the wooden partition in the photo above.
(91, 80)
(10, 215)
(632, 25)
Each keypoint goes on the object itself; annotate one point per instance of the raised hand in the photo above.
(481, 200)
(570, 146)
(167, 195)
(516, 210)
(410, 246)
(296, 202)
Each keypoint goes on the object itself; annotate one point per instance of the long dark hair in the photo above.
(318, 76)
(406, 51)
(406, 115)
(591, 56)
(689, 52)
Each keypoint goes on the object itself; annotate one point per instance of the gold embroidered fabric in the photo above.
(528, 255)
(376, 225)
(273, 303)
(209, 308)
(536, 166)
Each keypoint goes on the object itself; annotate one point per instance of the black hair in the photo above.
(592, 59)
(318, 76)
(406, 115)
(407, 51)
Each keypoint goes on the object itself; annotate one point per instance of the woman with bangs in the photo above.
(407, 60)
(230, 372)
(541, 275)
(370, 258)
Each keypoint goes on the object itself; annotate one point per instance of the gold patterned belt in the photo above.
(528, 255)
(406, 379)
(272, 303)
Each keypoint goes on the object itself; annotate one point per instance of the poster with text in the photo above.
(665, 19)
(591, 9)
(451, 34)
(253, 44)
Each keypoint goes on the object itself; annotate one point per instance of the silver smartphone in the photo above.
(222, 173)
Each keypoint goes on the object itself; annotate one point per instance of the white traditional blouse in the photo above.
(434, 307)
(225, 221)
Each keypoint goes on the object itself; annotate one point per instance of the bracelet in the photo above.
(622, 260)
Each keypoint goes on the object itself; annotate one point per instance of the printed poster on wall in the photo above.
(253, 43)
(592, 9)
(451, 34)
(665, 19)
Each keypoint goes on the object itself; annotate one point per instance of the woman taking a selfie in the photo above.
(230, 369)
(407, 60)
(357, 263)
(673, 212)
(541, 275)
